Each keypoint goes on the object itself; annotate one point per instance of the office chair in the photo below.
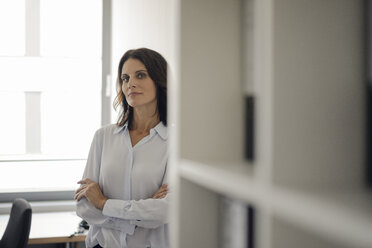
(18, 228)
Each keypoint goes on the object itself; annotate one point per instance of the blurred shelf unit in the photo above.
(345, 216)
(302, 61)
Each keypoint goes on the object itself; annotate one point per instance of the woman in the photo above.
(124, 194)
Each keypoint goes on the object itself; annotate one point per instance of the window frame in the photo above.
(32, 44)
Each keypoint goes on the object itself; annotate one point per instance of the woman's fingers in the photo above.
(161, 195)
(164, 187)
(82, 190)
(79, 196)
(92, 192)
(80, 193)
(161, 192)
(83, 186)
(85, 181)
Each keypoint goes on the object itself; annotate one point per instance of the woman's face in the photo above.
(139, 89)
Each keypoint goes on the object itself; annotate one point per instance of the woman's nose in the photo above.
(131, 83)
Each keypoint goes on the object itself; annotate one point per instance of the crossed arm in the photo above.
(120, 215)
(92, 192)
(123, 215)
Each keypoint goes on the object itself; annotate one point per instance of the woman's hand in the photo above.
(162, 192)
(91, 190)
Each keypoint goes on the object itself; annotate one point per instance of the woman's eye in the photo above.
(125, 79)
(141, 75)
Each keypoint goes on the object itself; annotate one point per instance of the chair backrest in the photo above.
(18, 228)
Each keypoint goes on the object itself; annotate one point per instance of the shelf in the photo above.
(306, 181)
(344, 217)
(235, 180)
(337, 215)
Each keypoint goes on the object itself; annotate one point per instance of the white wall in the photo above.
(139, 23)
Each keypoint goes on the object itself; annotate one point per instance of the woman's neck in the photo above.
(144, 120)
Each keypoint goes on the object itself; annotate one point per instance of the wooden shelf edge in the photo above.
(56, 240)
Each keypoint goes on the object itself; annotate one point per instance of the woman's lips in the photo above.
(134, 94)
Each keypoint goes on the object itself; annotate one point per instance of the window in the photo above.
(50, 93)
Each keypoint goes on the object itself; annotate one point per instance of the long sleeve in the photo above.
(84, 208)
(95, 217)
(148, 213)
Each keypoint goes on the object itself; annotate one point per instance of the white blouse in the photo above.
(128, 177)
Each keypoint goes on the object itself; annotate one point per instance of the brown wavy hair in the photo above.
(156, 67)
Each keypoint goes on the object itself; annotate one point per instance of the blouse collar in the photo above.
(160, 128)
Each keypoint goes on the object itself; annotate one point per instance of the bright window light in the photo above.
(50, 91)
(71, 28)
(12, 124)
(12, 28)
(56, 176)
